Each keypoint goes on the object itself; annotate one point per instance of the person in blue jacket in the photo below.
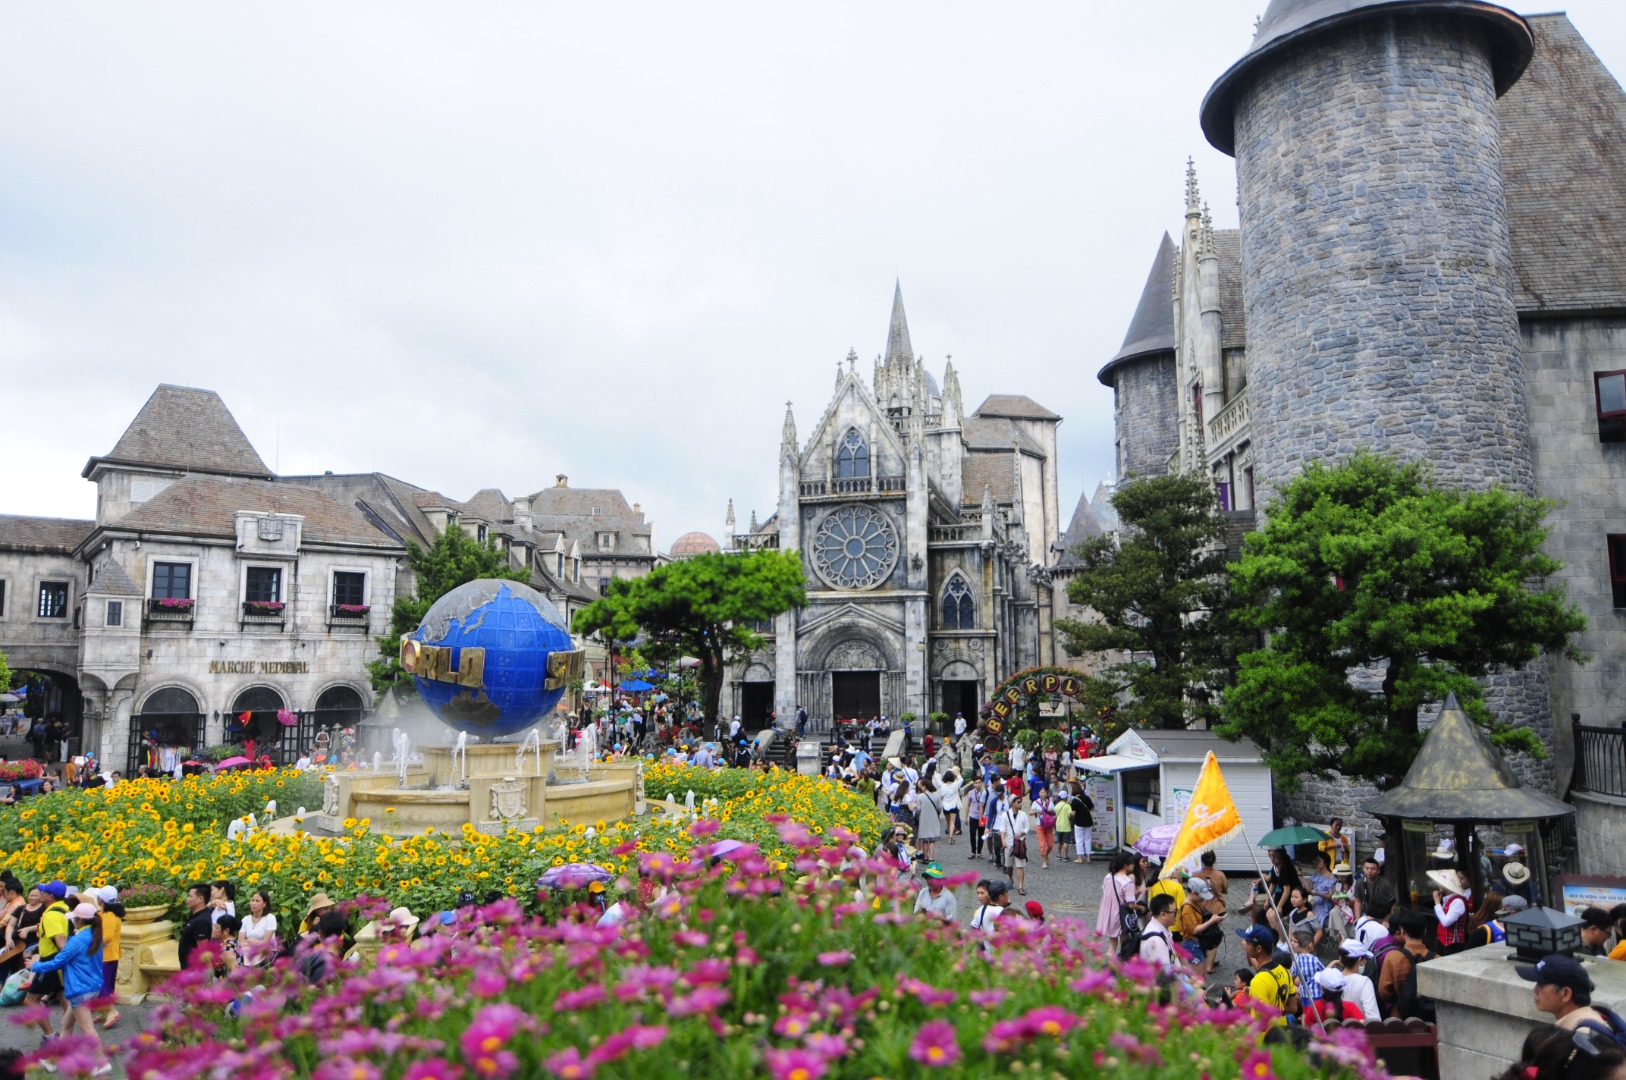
(80, 961)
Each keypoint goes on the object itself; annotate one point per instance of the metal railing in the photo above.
(1600, 760)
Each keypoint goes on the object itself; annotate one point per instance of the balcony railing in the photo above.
(264, 613)
(853, 485)
(348, 615)
(949, 534)
(756, 541)
(1600, 760)
(171, 610)
(1229, 419)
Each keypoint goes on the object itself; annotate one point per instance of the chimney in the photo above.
(638, 511)
(561, 480)
(522, 513)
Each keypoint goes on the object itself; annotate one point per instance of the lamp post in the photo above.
(1541, 931)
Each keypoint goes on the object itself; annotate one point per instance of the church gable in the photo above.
(853, 431)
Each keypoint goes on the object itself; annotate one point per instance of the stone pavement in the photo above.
(132, 1018)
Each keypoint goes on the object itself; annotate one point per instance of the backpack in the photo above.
(1286, 990)
(1409, 1004)
(1374, 963)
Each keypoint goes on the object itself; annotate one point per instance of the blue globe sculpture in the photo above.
(481, 657)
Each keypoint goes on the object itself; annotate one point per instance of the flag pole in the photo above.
(1292, 969)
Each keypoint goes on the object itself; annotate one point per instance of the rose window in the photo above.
(855, 548)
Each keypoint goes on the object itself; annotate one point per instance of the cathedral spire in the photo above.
(1207, 247)
(897, 335)
(1194, 199)
(787, 441)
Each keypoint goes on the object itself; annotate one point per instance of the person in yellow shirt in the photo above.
(1170, 887)
(1618, 915)
(107, 899)
(1272, 984)
(47, 986)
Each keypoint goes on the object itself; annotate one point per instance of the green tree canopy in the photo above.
(1382, 591)
(455, 559)
(1162, 599)
(703, 607)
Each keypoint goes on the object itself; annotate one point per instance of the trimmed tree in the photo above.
(455, 559)
(1382, 591)
(1162, 600)
(702, 607)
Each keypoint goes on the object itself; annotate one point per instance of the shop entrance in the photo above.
(855, 695)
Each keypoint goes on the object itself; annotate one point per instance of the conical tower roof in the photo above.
(1152, 328)
(897, 334)
(1459, 776)
(1287, 23)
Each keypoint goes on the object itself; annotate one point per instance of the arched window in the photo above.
(172, 701)
(260, 705)
(338, 705)
(852, 456)
(959, 611)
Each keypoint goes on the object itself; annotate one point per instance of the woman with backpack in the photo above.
(1044, 808)
(80, 961)
(1121, 908)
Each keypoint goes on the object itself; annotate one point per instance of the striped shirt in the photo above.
(1306, 966)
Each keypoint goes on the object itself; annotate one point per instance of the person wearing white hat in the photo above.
(1331, 1004)
(1516, 880)
(80, 961)
(1358, 988)
(107, 898)
(1451, 909)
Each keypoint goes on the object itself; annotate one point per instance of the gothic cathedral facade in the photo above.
(926, 536)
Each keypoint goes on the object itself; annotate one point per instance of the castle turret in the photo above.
(1379, 292)
(1142, 375)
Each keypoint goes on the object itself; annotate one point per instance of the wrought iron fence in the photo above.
(1600, 760)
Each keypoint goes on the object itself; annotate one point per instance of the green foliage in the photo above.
(1372, 565)
(455, 559)
(702, 607)
(1052, 739)
(5, 674)
(1163, 603)
(1027, 738)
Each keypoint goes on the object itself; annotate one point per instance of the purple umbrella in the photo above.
(574, 875)
(723, 847)
(1156, 841)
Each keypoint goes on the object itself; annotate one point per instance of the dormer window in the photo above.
(606, 541)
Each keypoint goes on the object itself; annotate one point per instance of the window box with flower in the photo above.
(171, 609)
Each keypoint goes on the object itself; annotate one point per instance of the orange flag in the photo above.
(1211, 818)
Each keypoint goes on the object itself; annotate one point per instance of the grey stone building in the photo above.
(207, 588)
(1430, 263)
(926, 533)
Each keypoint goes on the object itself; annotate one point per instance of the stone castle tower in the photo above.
(1377, 270)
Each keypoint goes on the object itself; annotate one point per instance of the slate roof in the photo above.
(1233, 325)
(111, 580)
(184, 428)
(1564, 169)
(997, 433)
(992, 471)
(490, 504)
(569, 511)
(1018, 406)
(1106, 515)
(42, 534)
(1081, 528)
(207, 506)
(1288, 22)
(1151, 330)
(389, 503)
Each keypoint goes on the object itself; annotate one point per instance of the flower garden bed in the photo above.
(733, 973)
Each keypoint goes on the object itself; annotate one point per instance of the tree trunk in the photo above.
(711, 683)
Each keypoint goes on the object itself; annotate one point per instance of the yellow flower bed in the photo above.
(173, 833)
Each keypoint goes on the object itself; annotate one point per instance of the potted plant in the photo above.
(939, 721)
(263, 607)
(1027, 738)
(175, 604)
(1053, 739)
(147, 902)
(26, 769)
(351, 611)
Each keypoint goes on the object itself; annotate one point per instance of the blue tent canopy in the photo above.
(635, 686)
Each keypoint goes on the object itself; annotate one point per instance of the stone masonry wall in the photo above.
(1145, 417)
(1378, 273)
(1587, 481)
(1377, 269)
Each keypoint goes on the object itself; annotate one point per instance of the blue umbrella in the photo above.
(636, 686)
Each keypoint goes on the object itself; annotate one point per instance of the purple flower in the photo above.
(1051, 1020)
(795, 1064)
(836, 959)
(490, 1031)
(572, 1000)
(988, 998)
(935, 1045)
(433, 1069)
(568, 1064)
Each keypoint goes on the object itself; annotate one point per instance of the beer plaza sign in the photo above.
(1025, 684)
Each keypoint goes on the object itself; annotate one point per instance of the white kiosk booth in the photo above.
(1146, 778)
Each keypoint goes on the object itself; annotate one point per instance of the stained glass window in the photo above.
(959, 611)
(855, 548)
(852, 456)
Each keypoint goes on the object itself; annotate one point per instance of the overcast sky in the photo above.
(478, 245)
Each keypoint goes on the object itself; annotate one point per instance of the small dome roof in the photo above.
(1290, 21)
(694, 543)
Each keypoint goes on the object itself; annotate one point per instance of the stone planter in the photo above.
(148, 953)
(148, 914)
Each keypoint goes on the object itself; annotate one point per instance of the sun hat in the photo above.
(1512, 905)
(84, 913)
(320, 902)
(1354, 948)
(1516, 873)
(401, 917)
(1446, 850)
(1447, 880)
(1330, 979)
(932, 871)
(1343, 869)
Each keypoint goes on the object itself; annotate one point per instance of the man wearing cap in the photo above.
(1035, 911)
(1563, 989)
(53, 931)
(1272, 984)
(1596, 926)
(934, 899)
